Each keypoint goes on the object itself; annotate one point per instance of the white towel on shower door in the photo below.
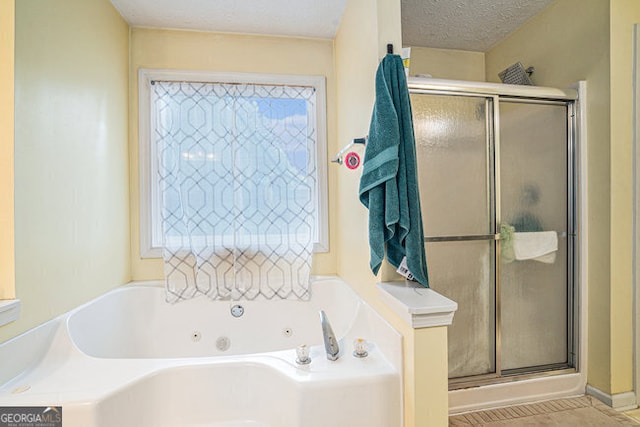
(537, 246)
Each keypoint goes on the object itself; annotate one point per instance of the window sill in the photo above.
(9, 311)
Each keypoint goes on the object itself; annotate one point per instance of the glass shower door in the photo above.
(534, 213)
(454, 157)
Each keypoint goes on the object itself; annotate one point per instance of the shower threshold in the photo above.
(516, 389)
(509, 376)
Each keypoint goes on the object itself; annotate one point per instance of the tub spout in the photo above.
(330, 342)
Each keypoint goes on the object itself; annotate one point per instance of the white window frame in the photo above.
(149, 197)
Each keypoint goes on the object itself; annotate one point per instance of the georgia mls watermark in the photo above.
(30, 416)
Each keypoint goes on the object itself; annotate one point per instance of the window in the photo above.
(272, 121)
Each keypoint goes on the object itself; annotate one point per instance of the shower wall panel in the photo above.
(451, 147)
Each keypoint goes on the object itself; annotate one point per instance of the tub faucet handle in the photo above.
(302, 351)
(330, 341)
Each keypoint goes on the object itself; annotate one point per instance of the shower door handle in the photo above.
(466, 238)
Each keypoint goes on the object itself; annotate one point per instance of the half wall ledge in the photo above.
(420, 307)
(9, 311)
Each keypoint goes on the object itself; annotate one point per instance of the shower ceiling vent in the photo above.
(516, 75)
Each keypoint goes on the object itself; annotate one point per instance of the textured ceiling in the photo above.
(474, 25)
(301, 18)
(449, 24)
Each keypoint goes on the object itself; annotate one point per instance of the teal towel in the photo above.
(389, 185)
(527, 222)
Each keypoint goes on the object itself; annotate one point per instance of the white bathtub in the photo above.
(130, 359)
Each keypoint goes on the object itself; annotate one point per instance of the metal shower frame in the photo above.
(493, 95)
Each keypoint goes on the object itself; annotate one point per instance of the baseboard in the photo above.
(619, 401)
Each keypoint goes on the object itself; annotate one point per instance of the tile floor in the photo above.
(584, 411)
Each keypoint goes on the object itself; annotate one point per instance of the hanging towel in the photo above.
(538, 246)
(527, 222)
(389, 186)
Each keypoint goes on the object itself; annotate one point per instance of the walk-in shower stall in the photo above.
(497, 177)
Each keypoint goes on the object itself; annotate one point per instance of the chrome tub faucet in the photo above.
(330, 342)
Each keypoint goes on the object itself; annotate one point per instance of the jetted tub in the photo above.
(128, 358)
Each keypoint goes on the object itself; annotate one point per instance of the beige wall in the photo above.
(624, 14)
(359, 45)
(191, 50)
(566, 43)
(71, 166)
(7, 272)
(447, 63)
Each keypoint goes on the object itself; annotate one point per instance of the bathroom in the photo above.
(72, 232)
